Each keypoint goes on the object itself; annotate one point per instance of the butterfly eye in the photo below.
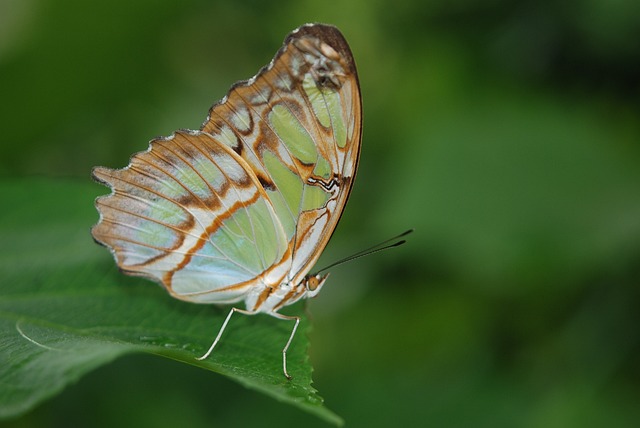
(314, 282)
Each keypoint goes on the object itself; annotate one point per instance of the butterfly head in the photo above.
(313, 283)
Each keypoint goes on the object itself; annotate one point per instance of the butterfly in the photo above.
(241, 209)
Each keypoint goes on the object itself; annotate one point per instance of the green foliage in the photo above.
(65, 310)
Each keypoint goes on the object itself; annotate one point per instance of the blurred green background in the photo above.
(506, 133)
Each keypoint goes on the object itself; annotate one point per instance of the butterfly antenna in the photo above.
(380, 246)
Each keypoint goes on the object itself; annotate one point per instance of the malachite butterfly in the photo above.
(242, 208)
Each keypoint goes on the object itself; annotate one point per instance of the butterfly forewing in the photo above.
(297, 123)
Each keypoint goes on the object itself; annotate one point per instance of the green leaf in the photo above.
(65, 310)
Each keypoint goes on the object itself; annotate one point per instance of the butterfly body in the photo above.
(241, 209)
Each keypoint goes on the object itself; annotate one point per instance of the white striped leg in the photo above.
(274, 314)
(286, 347)
(224, 326)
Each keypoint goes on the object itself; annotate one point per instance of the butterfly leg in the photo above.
(224, 326)
(286, 347)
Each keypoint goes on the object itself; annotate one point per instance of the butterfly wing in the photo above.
(250, 201)
(297, 123)
(190, 214)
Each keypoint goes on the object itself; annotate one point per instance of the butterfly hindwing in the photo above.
(189, 214)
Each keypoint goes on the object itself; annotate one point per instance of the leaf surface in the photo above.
(66, 310)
